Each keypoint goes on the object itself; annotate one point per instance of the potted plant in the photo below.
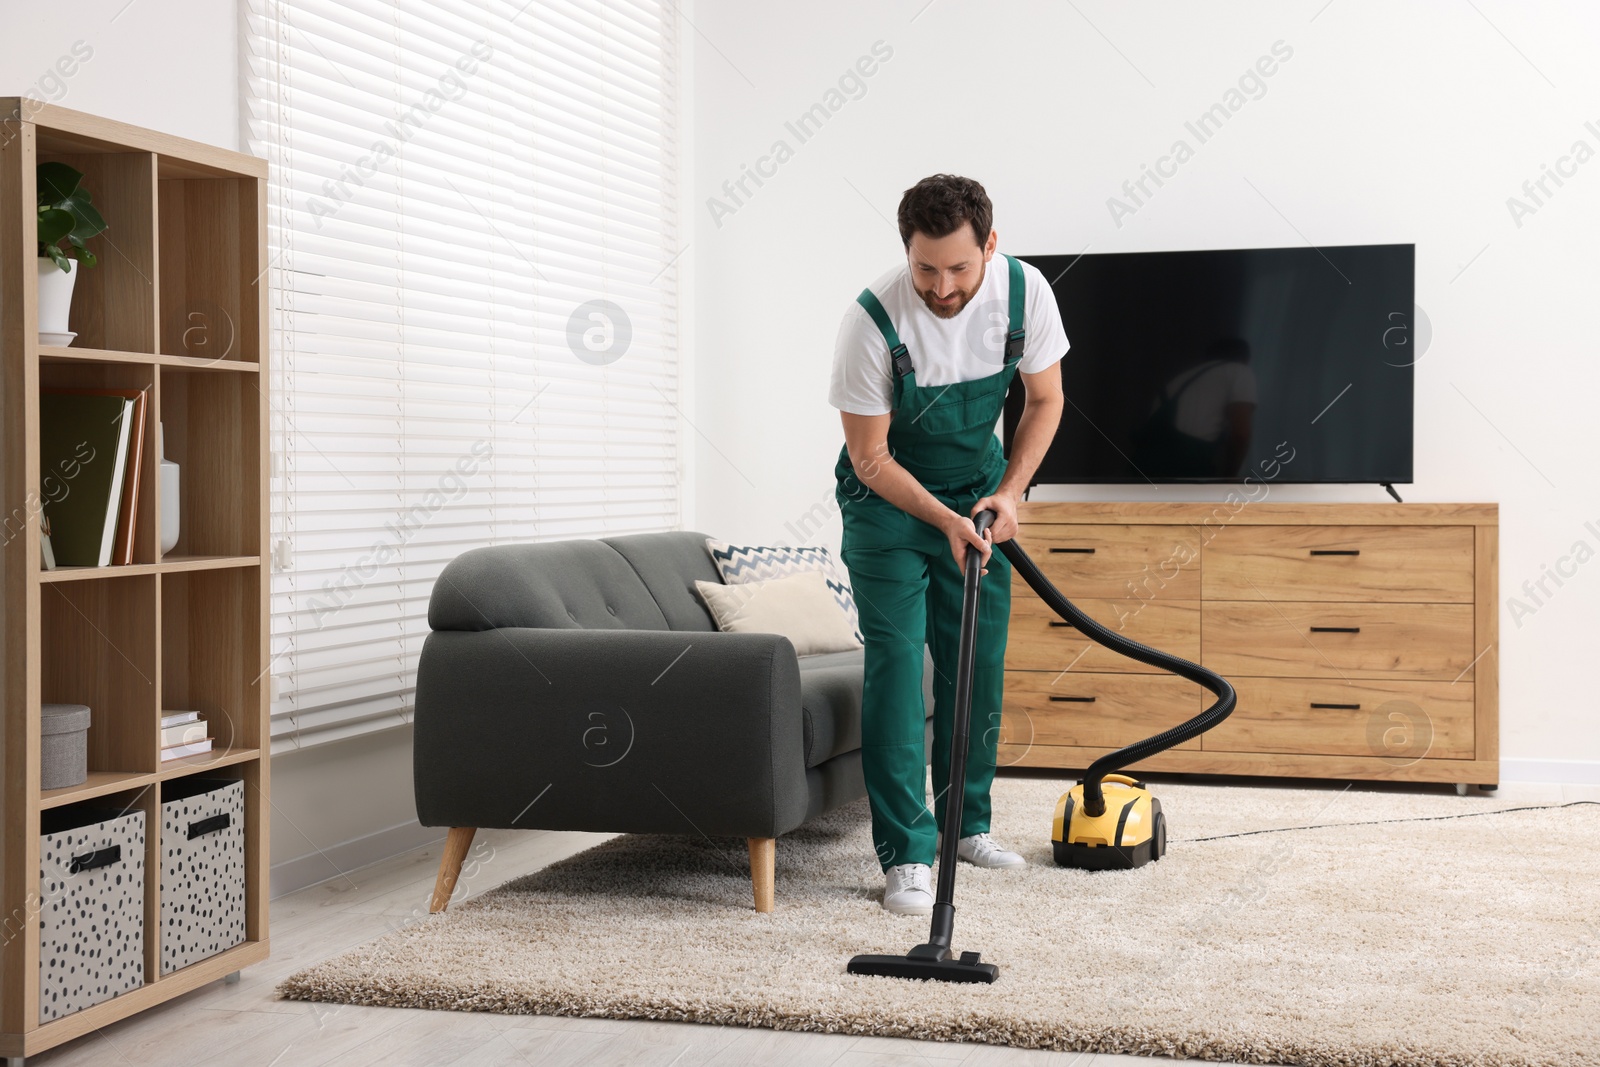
(65, 215)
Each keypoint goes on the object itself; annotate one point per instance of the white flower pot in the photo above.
(55, 301)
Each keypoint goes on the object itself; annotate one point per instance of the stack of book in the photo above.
(183, 733)
(90, 445)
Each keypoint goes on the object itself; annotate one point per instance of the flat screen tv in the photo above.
(1203, 366)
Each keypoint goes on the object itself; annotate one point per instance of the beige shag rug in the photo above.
(1465, 941)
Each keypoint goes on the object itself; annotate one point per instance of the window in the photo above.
(473, 239)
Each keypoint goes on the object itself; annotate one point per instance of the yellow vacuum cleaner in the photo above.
(1129, 832)
(1109, 821)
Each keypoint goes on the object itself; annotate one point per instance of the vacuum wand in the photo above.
(944, 909)
(934, 960)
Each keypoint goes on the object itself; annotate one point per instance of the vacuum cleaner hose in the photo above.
(1094, 800)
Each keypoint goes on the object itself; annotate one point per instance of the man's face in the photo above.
(947, 271)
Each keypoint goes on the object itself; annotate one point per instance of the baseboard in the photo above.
(319, 866)
(1562, 772)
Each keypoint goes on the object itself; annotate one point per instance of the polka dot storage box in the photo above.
(202, 869)
(91, 907)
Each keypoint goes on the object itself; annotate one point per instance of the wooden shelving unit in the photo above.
(177, 307)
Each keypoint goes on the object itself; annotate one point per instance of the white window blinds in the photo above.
(473, 238)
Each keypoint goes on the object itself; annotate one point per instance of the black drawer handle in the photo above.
(1073, 700)
(100, 857)
(1336, 552)
(1085, 551)
(1336, 629)
(1341, 707)
(208, 826)
(1061, 622)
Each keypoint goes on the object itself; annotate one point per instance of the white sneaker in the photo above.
(981, 850)
(908, 889)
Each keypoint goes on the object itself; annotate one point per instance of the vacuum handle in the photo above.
(980, 522)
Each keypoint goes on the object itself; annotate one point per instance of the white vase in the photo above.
(55, 297)
(169, 529)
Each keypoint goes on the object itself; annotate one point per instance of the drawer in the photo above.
(1140, 562)
(1040, 640)
(1095, 710)
(1432, 564)
(1399, 721)
(1330, 640)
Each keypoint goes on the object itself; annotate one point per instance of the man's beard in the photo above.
(950, 311)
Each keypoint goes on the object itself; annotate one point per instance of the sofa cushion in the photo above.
(550, 584)
(668, 563)
(740, 564)
(830, 702)
(801, 607)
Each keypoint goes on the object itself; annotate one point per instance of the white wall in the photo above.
(1390, 123)
(169, 65)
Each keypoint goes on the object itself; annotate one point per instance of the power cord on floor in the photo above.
(1385, 822)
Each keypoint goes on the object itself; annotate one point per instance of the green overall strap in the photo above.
(1015, 332)
(898, 354)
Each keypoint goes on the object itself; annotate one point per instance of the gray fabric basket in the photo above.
(64, 746)
(202, 869)
(91, 910)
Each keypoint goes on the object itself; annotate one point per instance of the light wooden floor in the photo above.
(242, 1025)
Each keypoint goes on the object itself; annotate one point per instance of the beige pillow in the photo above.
(801, 607)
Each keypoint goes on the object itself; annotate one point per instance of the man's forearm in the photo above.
(1036, 429)
(885, 476)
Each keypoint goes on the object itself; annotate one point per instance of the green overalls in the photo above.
(908, 590)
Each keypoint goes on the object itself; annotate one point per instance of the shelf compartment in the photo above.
(114, 302)
(98, 647)
(210, 423)
(209, 244)
(210, 646)
(95, 937)
(95, 373)
(202, 890)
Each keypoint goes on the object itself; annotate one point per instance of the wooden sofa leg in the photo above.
(455, 851)
(763, 870)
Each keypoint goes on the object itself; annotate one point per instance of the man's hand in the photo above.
(1004, 506)
(962, 533)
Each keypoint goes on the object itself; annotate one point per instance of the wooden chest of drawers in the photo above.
(1361, 638)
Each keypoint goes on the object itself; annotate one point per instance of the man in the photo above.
(920, 373)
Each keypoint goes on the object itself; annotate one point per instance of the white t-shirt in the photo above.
(1202, 409)
(943, 351)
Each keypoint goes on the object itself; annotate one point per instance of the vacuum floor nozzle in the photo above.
(965, 968)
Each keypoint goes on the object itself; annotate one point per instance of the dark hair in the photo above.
(939, 204)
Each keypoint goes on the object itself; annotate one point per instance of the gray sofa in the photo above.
(582, 685)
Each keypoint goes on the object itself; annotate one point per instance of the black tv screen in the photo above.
(1203, 366)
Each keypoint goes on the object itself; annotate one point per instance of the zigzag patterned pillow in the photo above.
(756, 563)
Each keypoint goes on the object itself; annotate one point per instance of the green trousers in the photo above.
(908, 590)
